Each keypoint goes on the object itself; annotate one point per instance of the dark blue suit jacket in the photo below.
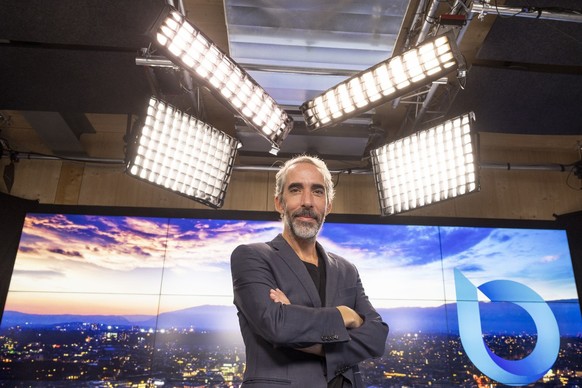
(271, 330)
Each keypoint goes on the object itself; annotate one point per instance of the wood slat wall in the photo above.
(517, 194)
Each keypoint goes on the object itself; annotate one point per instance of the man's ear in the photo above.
(278, 205)
(328, 209)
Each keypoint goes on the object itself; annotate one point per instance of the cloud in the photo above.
(518, 255)
(470, 268)
(219, 239)
(25, 249)
(550, 258)
(119, 243)
(129, 243)
(457, 240)
(395, 260)
(37, 274)
(60, 251)
(376, 245)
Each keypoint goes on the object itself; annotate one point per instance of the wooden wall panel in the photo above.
(110, 186)
(21, 136)
(69, 186)
(515, 194)
(355, 194)
(36, 180)
(518, 194)
(248, 191)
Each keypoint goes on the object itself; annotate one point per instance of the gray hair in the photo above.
(281, 176)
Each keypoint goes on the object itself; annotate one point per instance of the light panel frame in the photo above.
(180, 153)
(426, 167)
(188, 47)
(395, 77)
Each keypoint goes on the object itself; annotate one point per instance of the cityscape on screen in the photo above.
(129, 301)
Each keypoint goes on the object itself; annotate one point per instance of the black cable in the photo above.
(27, 155)
(506, 17)
(337, 180)
(576, 170)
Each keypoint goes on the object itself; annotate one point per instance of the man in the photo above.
(304, 317)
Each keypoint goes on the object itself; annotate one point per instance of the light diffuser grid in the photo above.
(426, 167)
(185, 155)
(382, 82)
(187, 46)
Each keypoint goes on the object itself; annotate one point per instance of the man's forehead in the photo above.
(304, 173)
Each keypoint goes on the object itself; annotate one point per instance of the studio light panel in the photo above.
(385, 81)
(426, 167)
(182, 154)
(191, 49)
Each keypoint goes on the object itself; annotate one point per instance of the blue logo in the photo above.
(510, 372)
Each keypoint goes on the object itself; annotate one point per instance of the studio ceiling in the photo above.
(60, 61)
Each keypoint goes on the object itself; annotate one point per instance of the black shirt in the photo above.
(318, 275)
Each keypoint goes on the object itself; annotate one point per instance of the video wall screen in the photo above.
(112, 300)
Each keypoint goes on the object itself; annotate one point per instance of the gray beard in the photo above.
(303, 230)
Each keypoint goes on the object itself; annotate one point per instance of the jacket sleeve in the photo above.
(367, 341)
(281, 325)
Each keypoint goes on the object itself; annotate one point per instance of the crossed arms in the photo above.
(345, 335)
(351, 319)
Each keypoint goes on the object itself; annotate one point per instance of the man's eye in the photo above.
(319, 192)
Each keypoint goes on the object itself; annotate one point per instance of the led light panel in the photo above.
(188, 47)
(182, 154)
(426, 167)
(385, 81)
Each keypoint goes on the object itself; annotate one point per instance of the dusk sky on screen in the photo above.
(82, 264)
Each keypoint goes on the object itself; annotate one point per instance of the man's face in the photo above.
(303, 203)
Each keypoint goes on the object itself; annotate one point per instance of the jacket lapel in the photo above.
(290, 258)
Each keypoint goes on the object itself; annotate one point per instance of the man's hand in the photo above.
(278, 296)
(352, 319)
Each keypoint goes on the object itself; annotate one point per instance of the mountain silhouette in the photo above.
(207, 317)
(496, 318)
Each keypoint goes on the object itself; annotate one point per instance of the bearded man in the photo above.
(304, 316)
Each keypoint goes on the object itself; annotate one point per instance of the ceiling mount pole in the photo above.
(532, 13)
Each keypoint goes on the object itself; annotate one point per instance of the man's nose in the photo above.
(307, 199)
